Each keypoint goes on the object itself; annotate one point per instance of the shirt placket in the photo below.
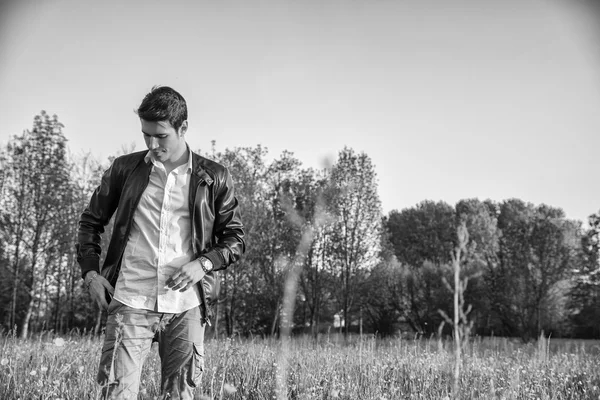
(165, 217)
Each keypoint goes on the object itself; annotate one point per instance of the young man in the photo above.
(177, 221)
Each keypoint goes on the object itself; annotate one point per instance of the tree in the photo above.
(315, 279)
(356, 227)
(536, 251)
(277, 202)
(36, 181)
(584, 296)
(384, 289)
(423, 238)
(86, 173)
(243, 283)
(482, 255)
(424, 232)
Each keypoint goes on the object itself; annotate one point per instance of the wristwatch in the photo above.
(206, 264)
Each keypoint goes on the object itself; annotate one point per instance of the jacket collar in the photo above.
(194, 160)
(198, 170)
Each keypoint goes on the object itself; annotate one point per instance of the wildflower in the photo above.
(4, 362)
(229, 389)
(59, 342)
(44, 369)
(81, 369)
(33, 373)
(335, 393)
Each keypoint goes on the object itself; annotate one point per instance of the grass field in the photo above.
(51, 367)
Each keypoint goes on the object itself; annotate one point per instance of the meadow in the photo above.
(53, 367)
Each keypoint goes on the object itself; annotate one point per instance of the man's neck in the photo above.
(183, 159)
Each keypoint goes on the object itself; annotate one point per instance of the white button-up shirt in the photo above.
(159, 243)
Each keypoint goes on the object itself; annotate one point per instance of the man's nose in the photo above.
(153, 144)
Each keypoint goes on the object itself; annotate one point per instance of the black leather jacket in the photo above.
(217, 230)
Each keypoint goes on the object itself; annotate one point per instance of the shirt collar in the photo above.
(149, 157)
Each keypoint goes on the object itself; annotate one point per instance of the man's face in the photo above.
(166, 143)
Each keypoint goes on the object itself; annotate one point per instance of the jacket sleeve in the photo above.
(228, 228)
(95, 217)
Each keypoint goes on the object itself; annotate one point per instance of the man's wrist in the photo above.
(216, 258)
(206, 264)
(89, 277)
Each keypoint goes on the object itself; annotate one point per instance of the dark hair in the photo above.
(163, 104)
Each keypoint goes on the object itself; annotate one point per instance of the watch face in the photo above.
(206, 264)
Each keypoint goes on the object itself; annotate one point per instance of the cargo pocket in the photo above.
(197, 365)
(114, 306)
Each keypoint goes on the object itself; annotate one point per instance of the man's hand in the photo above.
(97, 285)
(186, 277)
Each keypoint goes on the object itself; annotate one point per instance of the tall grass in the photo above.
(50, 367)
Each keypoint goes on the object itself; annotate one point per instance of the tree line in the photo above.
(528, 268)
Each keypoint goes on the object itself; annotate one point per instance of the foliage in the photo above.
(423, 233)
(423, 238)
(584, 301)
(536, 252)
(355, 227)
(519, 259)
(530, 269)
(36, 188)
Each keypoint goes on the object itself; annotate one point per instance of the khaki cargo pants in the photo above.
(180, 340)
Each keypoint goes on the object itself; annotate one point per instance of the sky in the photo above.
(488, 99)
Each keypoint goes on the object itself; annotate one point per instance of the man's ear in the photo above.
(183, 128)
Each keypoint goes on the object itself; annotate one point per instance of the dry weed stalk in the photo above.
(460, 324)
(291, 286)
